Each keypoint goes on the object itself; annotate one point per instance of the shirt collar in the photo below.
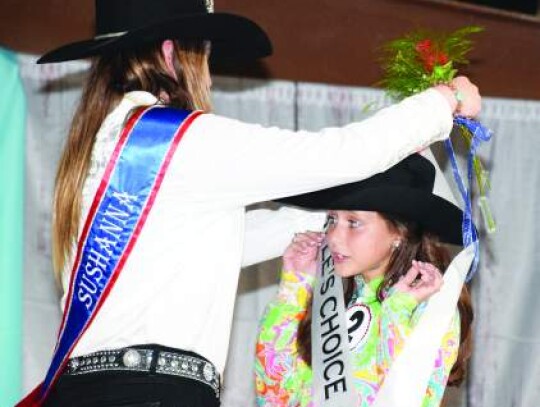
(367, 290)
(139, 98)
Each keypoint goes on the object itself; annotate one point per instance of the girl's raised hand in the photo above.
(470, 102)
(301, 254)
(421, 281)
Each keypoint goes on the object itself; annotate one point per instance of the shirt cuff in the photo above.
(296, 287)
(401, 301)
(443, 111)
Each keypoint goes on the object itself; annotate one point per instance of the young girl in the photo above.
(149, 206)
(385, 237)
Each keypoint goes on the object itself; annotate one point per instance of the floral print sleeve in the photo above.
(446, 358)
(399, 314)
(395, 324)
(282, 377)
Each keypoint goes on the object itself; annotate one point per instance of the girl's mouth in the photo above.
(339, 258)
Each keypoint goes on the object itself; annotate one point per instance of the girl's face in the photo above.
(360, 242)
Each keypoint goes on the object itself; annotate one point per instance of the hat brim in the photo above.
(232, 37)
(430, 211)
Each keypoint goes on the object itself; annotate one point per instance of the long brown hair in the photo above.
(415, 245)
(110, 77)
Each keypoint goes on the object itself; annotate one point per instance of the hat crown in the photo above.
(404, 190)
(413, 172)
(118, 16)
(128, 24)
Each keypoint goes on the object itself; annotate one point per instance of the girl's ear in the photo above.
(167, 50)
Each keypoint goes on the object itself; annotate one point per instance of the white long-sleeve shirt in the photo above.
(178, 286)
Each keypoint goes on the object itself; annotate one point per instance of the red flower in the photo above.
(429, 62)
(429, 56)
(442, 58)
(424, 46)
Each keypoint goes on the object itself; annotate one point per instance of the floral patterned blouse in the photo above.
(377, 332)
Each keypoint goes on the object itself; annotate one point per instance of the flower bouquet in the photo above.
(423, 59)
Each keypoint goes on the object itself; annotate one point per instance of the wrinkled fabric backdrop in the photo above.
(504, 371)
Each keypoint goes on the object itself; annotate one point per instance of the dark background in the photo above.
(328, 41)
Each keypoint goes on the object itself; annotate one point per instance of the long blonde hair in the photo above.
(110, 77)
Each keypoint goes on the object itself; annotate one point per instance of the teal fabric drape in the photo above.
(12, 142)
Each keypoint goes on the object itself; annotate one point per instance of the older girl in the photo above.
(149, 207)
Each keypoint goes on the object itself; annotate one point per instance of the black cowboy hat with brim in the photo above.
(405, 190)
(126, 24)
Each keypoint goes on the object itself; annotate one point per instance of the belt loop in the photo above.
(153, 363)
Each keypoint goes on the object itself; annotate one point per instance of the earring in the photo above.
(396, 244)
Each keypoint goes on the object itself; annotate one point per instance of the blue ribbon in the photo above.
(123, 204)
(479, 134)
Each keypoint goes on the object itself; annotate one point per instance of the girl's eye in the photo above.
(353, 224)
(331, 220)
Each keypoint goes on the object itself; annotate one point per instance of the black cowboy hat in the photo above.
(405, 190)
(123, 24)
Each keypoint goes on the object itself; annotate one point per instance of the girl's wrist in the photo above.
(302, 268)
(397, 299)
(458, 95)
(295, 288)
(297, 276)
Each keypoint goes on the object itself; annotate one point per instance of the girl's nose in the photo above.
(334, 235)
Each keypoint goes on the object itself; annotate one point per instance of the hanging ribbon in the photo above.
(479, 134)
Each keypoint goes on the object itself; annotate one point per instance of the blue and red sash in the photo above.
(118, 213)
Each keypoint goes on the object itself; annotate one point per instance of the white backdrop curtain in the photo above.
(506, 368)
(504, 372)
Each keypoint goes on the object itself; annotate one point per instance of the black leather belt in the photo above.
(152, 360)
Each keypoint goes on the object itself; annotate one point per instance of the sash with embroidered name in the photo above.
(332, 370)
(115, 220)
